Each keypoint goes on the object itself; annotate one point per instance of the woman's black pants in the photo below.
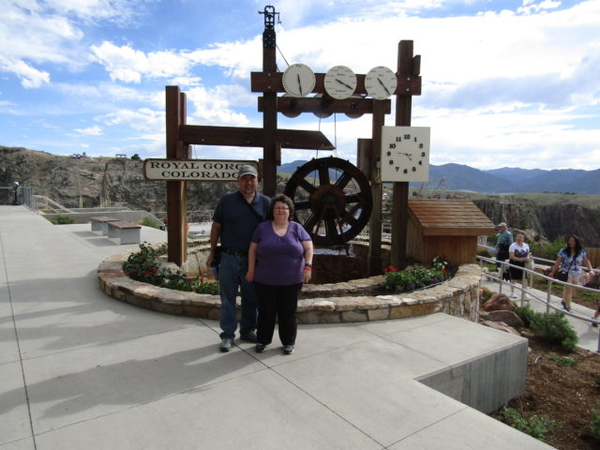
(277, 303)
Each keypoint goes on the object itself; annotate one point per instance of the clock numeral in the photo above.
(414, 169)
(407, 137)
(391, 162)
(405, 170)
(392, 145)
(398, 139)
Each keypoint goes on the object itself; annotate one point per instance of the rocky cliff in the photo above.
(92, 182)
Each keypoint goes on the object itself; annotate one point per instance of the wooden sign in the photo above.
(193, 169)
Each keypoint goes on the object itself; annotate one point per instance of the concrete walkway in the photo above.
(81, 370)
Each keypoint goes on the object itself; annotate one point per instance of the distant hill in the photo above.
(459, 177)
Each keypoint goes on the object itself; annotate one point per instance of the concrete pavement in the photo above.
(81, 370)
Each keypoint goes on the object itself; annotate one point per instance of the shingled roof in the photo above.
(450, 218)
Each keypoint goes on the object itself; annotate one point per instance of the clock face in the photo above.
(298, 80)
(340, 82)
(381, 82)
(405, 153)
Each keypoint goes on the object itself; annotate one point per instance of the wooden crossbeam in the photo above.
(271, 82)
(325, 105)
(252, 137)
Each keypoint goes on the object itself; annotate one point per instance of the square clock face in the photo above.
(405, 153)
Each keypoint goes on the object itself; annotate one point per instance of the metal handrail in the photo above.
(549, 280)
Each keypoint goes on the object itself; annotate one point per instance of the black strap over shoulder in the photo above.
(258, 216)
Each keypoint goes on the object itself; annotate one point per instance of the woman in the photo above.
(518, 253)
(571, 259)
(279, 262)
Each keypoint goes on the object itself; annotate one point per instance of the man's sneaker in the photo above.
(595, 325)
(260, 348)
(513, 295)
(288, 349)
(249, 337)
(225, 345)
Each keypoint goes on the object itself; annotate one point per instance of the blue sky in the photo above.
(505, 83)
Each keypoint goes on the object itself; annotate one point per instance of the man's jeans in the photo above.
(232, 273)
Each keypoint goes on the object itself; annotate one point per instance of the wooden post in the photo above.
(270, 104)
(406, 70)
(376, 190)
(176, 190)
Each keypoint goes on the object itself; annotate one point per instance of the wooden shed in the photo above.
(445, 228)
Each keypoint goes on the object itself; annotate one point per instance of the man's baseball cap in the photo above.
(248, 170)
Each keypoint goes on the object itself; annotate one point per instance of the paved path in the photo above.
(80, 370)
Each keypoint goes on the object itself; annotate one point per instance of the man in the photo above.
(505, 239)
(234, 220)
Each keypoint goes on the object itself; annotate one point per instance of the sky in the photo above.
(504, 83)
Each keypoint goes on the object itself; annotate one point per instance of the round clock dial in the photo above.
(340, 82)
(298, 80)
(381, 82)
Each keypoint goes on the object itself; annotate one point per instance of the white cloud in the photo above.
(30, 77)
(91, 131)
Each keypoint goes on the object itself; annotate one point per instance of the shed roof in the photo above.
(450, 218)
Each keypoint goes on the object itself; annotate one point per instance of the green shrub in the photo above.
(525, 313)
(555, 328)
(484, 252)
(562, 360)
(62, 220)
(595, 425)
(551, 249)
(150, 222)
(143, 266)
(537, 426)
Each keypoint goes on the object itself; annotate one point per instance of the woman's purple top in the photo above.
(279, 259)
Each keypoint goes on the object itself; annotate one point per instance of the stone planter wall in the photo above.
(329, 303)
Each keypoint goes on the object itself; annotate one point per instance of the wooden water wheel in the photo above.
(332, 199)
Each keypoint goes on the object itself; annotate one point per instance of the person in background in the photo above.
(571, 260)
(518, 254)
(505, 239)
(279, 262)
(235, 218)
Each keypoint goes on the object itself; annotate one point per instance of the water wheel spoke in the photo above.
(331, 228)
(312, 223)
(355, 198)
(308, 187)
(302, 205)
(343, 181)
(324, 175)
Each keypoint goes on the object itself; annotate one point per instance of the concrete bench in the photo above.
(100, 223)
(126, 232)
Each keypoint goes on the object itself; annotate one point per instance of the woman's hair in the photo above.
(281, 199)
(578, 247)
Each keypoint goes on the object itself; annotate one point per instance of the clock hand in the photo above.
(408, 155)
(299, 84)
(341, 82)
(384, 86)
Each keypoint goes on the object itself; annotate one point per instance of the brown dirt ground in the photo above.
(565, 394)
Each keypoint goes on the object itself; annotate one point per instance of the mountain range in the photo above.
(459, 177)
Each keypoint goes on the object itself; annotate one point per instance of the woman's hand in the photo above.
(307, 275)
